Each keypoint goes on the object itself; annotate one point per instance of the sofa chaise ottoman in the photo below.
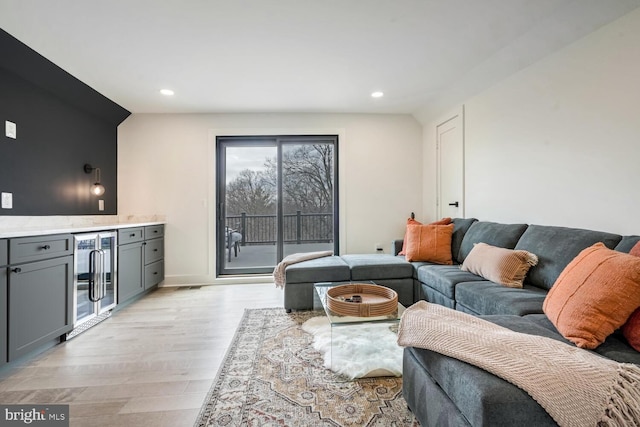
(386, 270)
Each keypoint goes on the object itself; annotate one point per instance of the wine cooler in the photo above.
(95, 276)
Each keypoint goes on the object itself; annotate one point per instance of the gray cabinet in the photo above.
(39, 293)
(153, 255)
(130, 271)
(130, 263)
(140, 260)
(4, 260)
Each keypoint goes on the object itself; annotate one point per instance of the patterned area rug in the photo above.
(271, 375)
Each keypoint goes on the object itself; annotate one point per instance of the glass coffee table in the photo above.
(356, 331)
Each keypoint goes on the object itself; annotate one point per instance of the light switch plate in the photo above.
(10, 129)
(7, 200)
(100, 205)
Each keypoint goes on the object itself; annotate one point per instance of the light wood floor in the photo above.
(150, 364)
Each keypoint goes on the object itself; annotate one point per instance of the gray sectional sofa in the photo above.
(442, 391)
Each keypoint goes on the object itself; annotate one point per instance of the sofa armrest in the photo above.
(396, 246)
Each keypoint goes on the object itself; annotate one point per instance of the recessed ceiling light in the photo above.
(166, 92)
(377, 94)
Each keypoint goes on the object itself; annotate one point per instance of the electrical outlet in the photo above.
(7, 200)
(10, 129)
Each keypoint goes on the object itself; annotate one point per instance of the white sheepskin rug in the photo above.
(359, 351)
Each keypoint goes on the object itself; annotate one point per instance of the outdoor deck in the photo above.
(265, 255)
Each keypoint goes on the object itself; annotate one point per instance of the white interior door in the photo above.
(450, 155)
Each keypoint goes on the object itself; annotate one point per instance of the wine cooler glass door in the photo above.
(85, 308)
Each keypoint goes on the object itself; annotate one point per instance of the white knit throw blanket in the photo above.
(575, 386)
(279, 272)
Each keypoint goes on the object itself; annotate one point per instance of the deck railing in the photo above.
(298, 228)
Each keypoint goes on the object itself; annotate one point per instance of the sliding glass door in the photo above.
(277, 195)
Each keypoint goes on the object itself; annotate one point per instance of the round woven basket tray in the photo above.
(376, 300)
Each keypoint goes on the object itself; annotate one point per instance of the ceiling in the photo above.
(299, 55)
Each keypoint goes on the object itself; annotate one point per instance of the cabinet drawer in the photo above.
(130, 235)
(27, 249)
(153, 232)
(153, 250)
(4, 253)
(153, 274)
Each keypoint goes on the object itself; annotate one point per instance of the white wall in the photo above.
(558, 143)
(166, 167)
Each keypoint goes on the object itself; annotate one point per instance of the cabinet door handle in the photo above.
(17, 270)
(45, 247)
(155, 250)
(132, 235)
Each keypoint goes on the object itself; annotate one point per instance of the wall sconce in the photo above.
(97, 188)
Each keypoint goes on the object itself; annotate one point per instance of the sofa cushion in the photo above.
(430, 243)
(326, 269)
(627, 243)
(444, 278)
(614, 347)
(416, 266)
(555, 247)
(377, 266)
(460, 228)
(504, 266)
(432, 295)
(594, 295)
(485, 297)
(491, 233)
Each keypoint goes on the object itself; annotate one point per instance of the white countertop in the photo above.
(42, 230)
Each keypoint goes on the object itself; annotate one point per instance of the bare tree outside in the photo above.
(250, 192)
(308, 178)
(307, 183)
(307, 189)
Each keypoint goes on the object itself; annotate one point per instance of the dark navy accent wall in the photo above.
(61, 125)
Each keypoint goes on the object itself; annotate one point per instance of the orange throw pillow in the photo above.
(411, 221)
(594, 295)
(430, 243)
(631, 329)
